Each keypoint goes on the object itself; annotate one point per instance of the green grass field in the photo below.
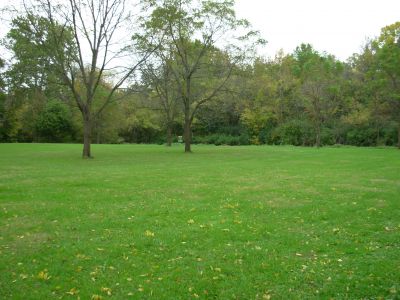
(148, 222)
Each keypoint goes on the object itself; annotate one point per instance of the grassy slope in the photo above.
(228, 222)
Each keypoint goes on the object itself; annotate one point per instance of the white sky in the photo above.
(339, 27)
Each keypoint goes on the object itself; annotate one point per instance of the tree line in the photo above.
(98, 71)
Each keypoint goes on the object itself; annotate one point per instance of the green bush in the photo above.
(139, 134)
(389, 136)
(361, 136)
(54, 123)
(294, 132)
(327, 136)
(221, 139)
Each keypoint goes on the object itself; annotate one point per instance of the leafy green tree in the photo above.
(256, 120)
(162, 84)
(32, 67)
(2, 82)
(387, 68)
(273, 99)
(219, 117)
(141, 122)
(31, 76)
(367, 92)
(3, 111)
(320, 85)
(188, 32)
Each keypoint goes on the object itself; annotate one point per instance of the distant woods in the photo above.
(186, 72)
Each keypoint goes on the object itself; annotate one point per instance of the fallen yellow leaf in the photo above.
(106, 290)
(43, 275)
(148, 233)
(72, 292)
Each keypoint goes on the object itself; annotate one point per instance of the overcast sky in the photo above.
(339, 27)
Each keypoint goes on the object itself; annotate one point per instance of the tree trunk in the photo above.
(318, 136)
(398, 136)
(187, 135)
(169, 135)
(87, 136)
(378, 136)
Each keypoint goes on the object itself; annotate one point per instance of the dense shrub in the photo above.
(328, 136)
(371, 136)
(222, 139)
(54, 123)
(142, 135)
(361, 136)
(388, 135)
(294, 132)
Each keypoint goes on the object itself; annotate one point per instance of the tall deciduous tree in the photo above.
(387, 53)
(31, 76)
(31, 65)
(320, 77)
(2, 104)
(368, 93)
(2, 83)
(190, 31)
(160, 80)
(95, 29)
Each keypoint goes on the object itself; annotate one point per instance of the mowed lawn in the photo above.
(148, 222)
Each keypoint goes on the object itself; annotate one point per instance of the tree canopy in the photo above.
(187, 68)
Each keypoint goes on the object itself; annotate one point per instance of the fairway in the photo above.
(150, 222)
